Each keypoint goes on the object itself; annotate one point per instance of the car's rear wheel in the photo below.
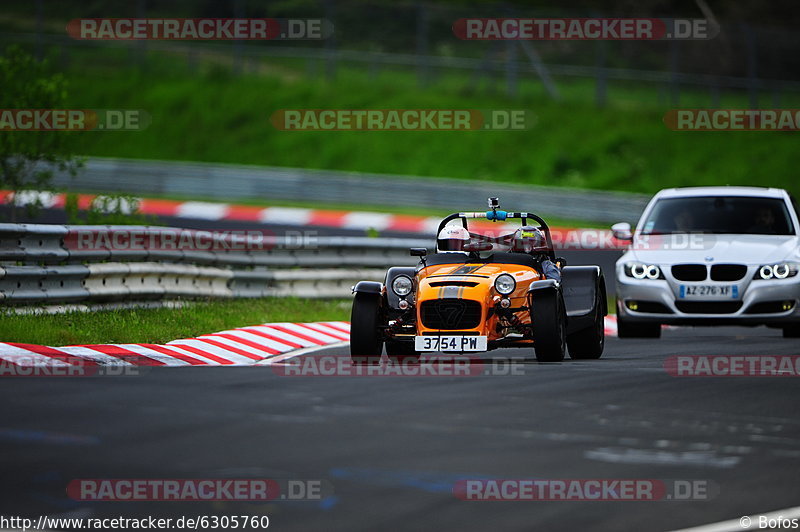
(589, 342)
(549, 326)
(628, 329)
(792, 331)
(402, 352)
(366, 340)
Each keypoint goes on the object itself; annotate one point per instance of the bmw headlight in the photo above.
(782, 270)
(402, 285)
(639, 270)
(505, 284)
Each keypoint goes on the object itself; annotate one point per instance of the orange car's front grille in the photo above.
(468, 284)
(451, 314)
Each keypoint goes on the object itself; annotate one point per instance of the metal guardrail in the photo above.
(46, 264)
(239, 182)
(58, 244)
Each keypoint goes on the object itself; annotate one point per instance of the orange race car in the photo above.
(482, 290)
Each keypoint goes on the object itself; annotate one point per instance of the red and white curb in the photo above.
(245, 346)
(259, 344)
(199, 210)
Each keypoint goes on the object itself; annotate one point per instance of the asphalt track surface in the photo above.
(393, 447)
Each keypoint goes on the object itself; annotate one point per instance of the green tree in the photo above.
(29, 158)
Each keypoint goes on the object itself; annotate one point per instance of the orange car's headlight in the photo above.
(402, 285)
(505, 284)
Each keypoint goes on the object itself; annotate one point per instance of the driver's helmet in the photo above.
(529, 239)
(452, 239)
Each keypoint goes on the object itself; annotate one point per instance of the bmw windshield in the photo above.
(719, 215)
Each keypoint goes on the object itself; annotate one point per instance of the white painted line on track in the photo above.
(747, 522)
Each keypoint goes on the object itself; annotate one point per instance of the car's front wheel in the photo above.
(628, 329)
(549, 326)
(366, 339)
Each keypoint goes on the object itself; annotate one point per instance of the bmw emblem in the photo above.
(709, 259)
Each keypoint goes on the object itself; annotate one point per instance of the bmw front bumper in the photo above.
(774, 302)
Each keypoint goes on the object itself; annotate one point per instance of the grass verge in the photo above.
(158, 326)
(211, 115)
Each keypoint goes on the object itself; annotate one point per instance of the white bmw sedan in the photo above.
(710, 256)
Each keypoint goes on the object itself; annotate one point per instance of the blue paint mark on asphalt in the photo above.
(329, 502)
(41, 436)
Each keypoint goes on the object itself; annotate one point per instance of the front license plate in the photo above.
(450, 343)
(709, 291)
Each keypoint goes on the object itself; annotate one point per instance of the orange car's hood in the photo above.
(477, 269)
(479, 276)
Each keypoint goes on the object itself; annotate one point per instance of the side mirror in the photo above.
(622, 231)
(418, 252)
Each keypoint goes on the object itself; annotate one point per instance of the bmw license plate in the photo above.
(709, 291)
(450, 343)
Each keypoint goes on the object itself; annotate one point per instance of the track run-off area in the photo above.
(394, 447)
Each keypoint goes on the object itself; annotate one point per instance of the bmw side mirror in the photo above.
(622, 231)
(418, 252)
